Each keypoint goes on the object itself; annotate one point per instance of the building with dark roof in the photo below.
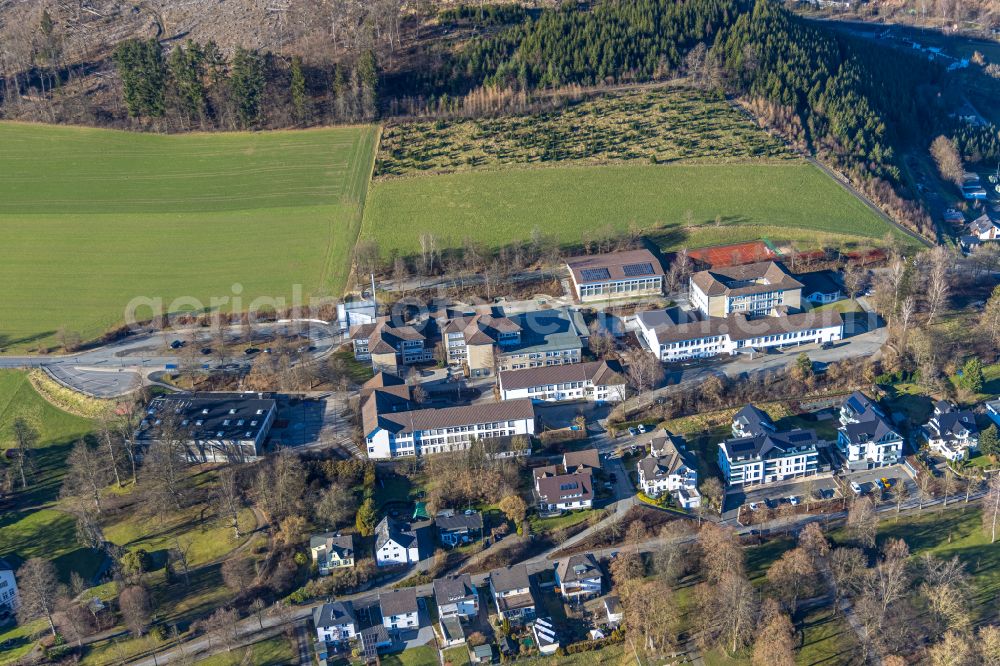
(332, 551)
(866, 436)
(579, 577)
(456, 596)
(669, 467)
(628, 274)
(754, 290)
(986, 227)
(596, 381)
(951, 432)
(751, 420)
(512, 593)
(399, 609)
(335, 622)
(458, 528)
(769, 457)
(399, 543)
(577, 461)
(821, 287)
(214, 427)
(565, 492)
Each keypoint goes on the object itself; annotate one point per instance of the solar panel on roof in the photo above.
(595, 274)
(634, 270)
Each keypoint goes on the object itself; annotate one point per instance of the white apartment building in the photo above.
(769, 457)
(596, 381)
(866, 437)
(677, 335)
(414, 432)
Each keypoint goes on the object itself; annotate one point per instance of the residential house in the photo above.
(372, 633)
(458, 528)
(596, 381)
(564, 492)
(456, 596)
(751, 420)
(768, 457)
(627, 274)
(332, 551)
(335, 622)
(215, 427)
(579, 577)
(821, 287)
(578, 461)
(399, 609)
(670, 468)
(866, 436)
(545, 636)
(394, 426)
(993, 411)
(398, 543)
(754, 290)
(951, 432)
(512, 594)
(986, 227)
(613, 609)
(674, 334)
(8, 589)
(390, 347)
(484, 344)
(481, 654)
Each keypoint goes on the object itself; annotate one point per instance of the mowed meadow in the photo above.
(94, 218)
(680, 164)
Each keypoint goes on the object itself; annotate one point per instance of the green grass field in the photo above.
(94, 218)
(496, 207)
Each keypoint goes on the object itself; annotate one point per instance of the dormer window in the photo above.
(205, 411)
(232, 411)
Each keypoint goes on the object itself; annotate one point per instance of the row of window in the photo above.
(621, 287)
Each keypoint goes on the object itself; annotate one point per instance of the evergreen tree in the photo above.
(989, 441)
(300, 100)
(144, 74)
(187, 75)
(364, 521)
(246, 83)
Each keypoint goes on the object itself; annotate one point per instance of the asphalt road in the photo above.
(115, 369)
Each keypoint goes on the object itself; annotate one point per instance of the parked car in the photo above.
(886, 483)
(251, 351)
(793, 500)
(754, 506)
(856, 488)
(176, 344)
(205, 351)
(633, 431)
(642, 427)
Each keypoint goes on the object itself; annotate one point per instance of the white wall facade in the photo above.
(383, 445)
(392, 554)
(8, 590)
(336, 633)
(567, 391)
(715, 345)
(402, 621)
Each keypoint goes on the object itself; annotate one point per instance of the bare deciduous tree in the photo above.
(136, 608)
(38, 591)
(88, 474)
(862, 520)
(991, 507)
(229, 497)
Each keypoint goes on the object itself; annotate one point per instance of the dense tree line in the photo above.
(198, 86)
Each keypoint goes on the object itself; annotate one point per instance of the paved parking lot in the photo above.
(774, 493)
(100, 383)
(867, 478)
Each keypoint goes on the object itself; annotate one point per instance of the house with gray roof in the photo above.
(564, 492)
(750, 289)
(458, 528)
(579, 577)
(769, 457)
(399, 609)
(398, 543)
(751, 420)
(512, 593)
(867, 437)
(951, 432)
(628, 274)
(670, 468)
(331, 551)
(594, 381)
(335, 622)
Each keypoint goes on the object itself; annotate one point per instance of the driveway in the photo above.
(896, 475)
(774, 493)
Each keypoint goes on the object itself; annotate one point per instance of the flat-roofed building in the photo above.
(754, 290)
(213, 427)
(616, 275)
